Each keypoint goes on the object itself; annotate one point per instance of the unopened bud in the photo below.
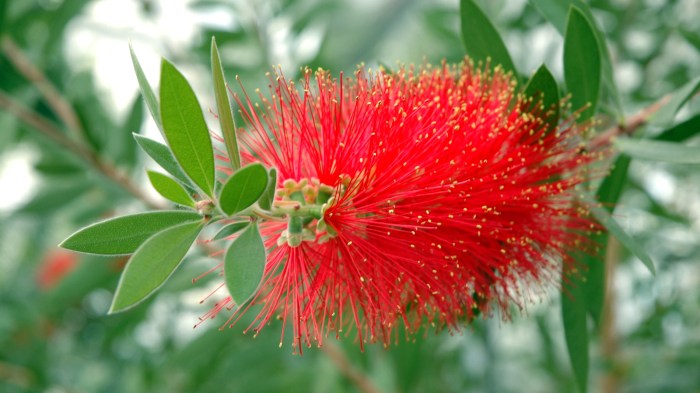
(283, 238)
(294, 240)
(324, 227)
(297, 196)
(309, 193)
(324, 194)
(308, 235)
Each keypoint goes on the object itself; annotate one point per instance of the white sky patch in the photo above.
(660, 184)
(17, 178)
(99, 41)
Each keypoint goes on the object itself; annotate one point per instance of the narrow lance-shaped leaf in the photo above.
(228, 128)
(243, 189)
(593, 278)
(132, 123)
(268, 196)
(123, 235)
(556, 12)
(584, 291)
(611, 188)
(146, 91)
(573, 310)
(126, 150)
(659, 150)
(681, 131)
(692, 37)
(481, 40)
(593, 281)
(185, 129)
(162, 155)
(544, 90)
(170, 189)
(582, 63)
(244, 265)
(667, 113)
(52, 193)
(3, 14)
(153, 263)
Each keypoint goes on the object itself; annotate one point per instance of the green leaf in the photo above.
(230, 229)
(604, 217)
(185, 130)
(53, 196)
(692, 37)
(123, 235)
(681, 131)
(659, 150)
(268, 196)
(132, 123)
(50, 164)
(544, 90)
(480, 38)
(667, 113)
(146, 91)
(162, 155)
(573, 311)
(611, 188)
(153, 263)
(3, 14)
(126, 151)
(582, 63)
(593, 281)
(556, 12)
(228, 128)
(243, 188)
(170, 189)
(244, 265)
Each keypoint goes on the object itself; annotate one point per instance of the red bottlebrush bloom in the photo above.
(449, 197)
(54, 267)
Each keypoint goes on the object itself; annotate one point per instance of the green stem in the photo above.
(282, 213)
(298, 211)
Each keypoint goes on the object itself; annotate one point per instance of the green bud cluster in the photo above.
(304, 203)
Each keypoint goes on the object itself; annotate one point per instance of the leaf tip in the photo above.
(114, 308)
(165, 64)
(64, 245)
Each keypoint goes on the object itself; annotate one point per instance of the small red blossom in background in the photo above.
(57, 264)
(450, 197)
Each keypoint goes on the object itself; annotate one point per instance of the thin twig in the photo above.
(610, 382)
(46, 128)
(633, 123)
(65, 112)
(359, 379)
(60, 106)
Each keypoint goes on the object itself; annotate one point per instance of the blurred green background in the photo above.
(55, 335)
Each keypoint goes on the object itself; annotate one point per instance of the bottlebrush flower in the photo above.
(442, 195)
(54, 267)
